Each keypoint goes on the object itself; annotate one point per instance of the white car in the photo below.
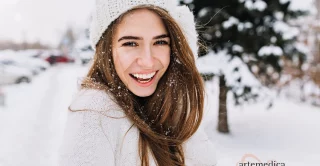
(34, 70)
(38, 63)
(28, 57)
(86, 54)
(83, 50)
(11, 74)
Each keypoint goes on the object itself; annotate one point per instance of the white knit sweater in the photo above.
(99, 137)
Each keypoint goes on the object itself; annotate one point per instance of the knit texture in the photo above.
(104, 136)
(106, 11)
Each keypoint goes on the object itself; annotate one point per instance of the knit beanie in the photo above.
(106, 11)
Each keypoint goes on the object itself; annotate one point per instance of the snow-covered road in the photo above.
(32, 123)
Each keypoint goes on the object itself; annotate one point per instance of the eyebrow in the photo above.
(140, 38)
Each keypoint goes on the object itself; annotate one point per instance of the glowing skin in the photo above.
(141, 51)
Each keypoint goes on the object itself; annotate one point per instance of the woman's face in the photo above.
(141, 51)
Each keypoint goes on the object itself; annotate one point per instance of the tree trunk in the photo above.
(223, 120)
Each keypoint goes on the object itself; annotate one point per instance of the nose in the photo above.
(146, 59)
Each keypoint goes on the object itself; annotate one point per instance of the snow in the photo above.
(289, 132)
(7, 53)
(187, 1)
(28, 53)
(287, 31)
(32, 123)
(82, 42)
(222, 63)
(306, 5)
(203, 12)
(279, 15)
(310, 89)
(24, 58)
(270, 50)
(246, 25)
(298, 89)
(208, 36)
(255, 5)
(18, 70)
(302, 48)
(237, 48)
(230, 22)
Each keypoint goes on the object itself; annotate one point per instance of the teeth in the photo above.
(144, 81)
(144, 76)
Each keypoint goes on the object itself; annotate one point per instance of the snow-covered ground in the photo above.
(31, 124)
(287, 133)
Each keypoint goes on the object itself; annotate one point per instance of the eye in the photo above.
(130, 44)
(161, 42)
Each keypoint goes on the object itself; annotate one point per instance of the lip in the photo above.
(148, 83)
(145, 72)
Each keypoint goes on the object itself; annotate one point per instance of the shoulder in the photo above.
(96, 108)
(97, 101)
(93, 130)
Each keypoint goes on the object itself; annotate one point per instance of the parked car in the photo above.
(25, 59)
(39, 63)
(53, 59)
(34, 70)
(86, 54)
(11, 74)
(31, 57)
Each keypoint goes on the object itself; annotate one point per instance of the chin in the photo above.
(143, 92)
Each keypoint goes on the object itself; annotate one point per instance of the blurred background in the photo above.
(261, 70)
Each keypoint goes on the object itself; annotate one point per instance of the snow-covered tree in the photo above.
(68, 39)
(247, 41)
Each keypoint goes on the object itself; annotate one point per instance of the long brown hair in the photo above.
(173, 112)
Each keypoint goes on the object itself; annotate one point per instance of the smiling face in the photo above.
(141, 51)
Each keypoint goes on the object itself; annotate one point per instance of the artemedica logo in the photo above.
(257, 161)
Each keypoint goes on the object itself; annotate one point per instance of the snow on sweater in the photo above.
(100, 137)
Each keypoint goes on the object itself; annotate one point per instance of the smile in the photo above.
(144, 78)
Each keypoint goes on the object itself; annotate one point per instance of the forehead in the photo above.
(140, 22)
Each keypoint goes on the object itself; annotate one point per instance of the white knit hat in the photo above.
(107, 11)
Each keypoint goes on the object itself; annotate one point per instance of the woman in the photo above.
(142, 103)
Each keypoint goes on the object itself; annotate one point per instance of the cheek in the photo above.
(122, 61)
(165, 60)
